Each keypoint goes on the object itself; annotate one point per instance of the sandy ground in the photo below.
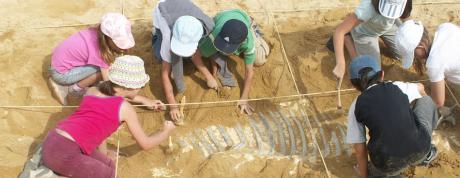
(24, 58)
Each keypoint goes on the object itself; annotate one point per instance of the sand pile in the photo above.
(28, 36)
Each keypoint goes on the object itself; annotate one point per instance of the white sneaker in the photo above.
(59, 91)
(77, 94)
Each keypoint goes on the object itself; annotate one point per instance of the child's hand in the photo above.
(245, 107)
(339, 70)
(175, 114)
(168, 126)
(156, 105)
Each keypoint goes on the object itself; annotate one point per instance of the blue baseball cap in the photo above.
(361, 62)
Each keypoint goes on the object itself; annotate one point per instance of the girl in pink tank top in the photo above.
(72, 150)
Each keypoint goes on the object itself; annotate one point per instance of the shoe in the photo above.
(431, 156)
(76, 94)
(59, 91)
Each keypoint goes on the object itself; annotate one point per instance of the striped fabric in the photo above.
(392, 8)
(128, 71)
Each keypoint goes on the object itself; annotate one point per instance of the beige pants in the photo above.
(261, 47)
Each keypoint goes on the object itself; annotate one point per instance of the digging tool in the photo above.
(339, 100)
(180, 122)
(446, 114)
(170, 148)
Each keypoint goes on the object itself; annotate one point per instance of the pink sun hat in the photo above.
(118, 27)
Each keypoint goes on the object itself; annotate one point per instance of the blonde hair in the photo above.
(107, 53)
(420, 61)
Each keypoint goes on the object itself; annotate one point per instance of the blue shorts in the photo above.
(157, 38)
(74, 75)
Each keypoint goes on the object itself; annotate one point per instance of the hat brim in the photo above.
(183, 49)
(133, 84)
(124, 42)
(408, 59)
(224, 46)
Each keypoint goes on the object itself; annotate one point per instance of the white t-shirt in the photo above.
(356, 132)
(160, 22)
(444, 59)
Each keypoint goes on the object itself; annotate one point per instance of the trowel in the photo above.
(180, 122)
(446, 114)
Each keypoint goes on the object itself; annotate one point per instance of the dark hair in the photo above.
(420, 61)
(407, 9)
(375, 3)
(364, 81)
(107, 88)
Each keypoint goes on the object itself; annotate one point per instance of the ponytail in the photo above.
(107, 54)
(365, 81)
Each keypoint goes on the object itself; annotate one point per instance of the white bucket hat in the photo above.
(392, 9)
(129, 72)
(187, 32)
(118, 28)
(408, 37)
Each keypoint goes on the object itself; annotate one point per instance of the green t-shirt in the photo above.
(247, 48)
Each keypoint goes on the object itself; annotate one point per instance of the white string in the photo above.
(255, 11)
(283, 49)
(118, 130)
(199, 103)
(452, 94)
(118, 152)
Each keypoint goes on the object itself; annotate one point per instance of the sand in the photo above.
(28, 36)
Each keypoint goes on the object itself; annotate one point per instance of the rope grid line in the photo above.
(452, 94)
(118, 130)
(270, 14)
(254, 11)
(283, 49)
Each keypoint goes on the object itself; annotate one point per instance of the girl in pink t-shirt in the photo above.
(75, 148)
(82, 59)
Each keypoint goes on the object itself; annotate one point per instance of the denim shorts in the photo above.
(73, 75)
(157, 38)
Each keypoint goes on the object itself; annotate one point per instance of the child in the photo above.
(399, 136)
(70, 148)
(82, 59)
(360, 31)
(235, 34)
(440, 57)
(188, 25)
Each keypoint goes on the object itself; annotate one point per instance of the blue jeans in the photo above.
(157, 38)
(73, 75)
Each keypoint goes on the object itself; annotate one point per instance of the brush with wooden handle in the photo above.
(339, 100)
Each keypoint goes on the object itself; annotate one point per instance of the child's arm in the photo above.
(146, 142)
(105, 74)
(339, 43)
(438, 92)
(169, 91)
(151, 104)
(361, 157)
